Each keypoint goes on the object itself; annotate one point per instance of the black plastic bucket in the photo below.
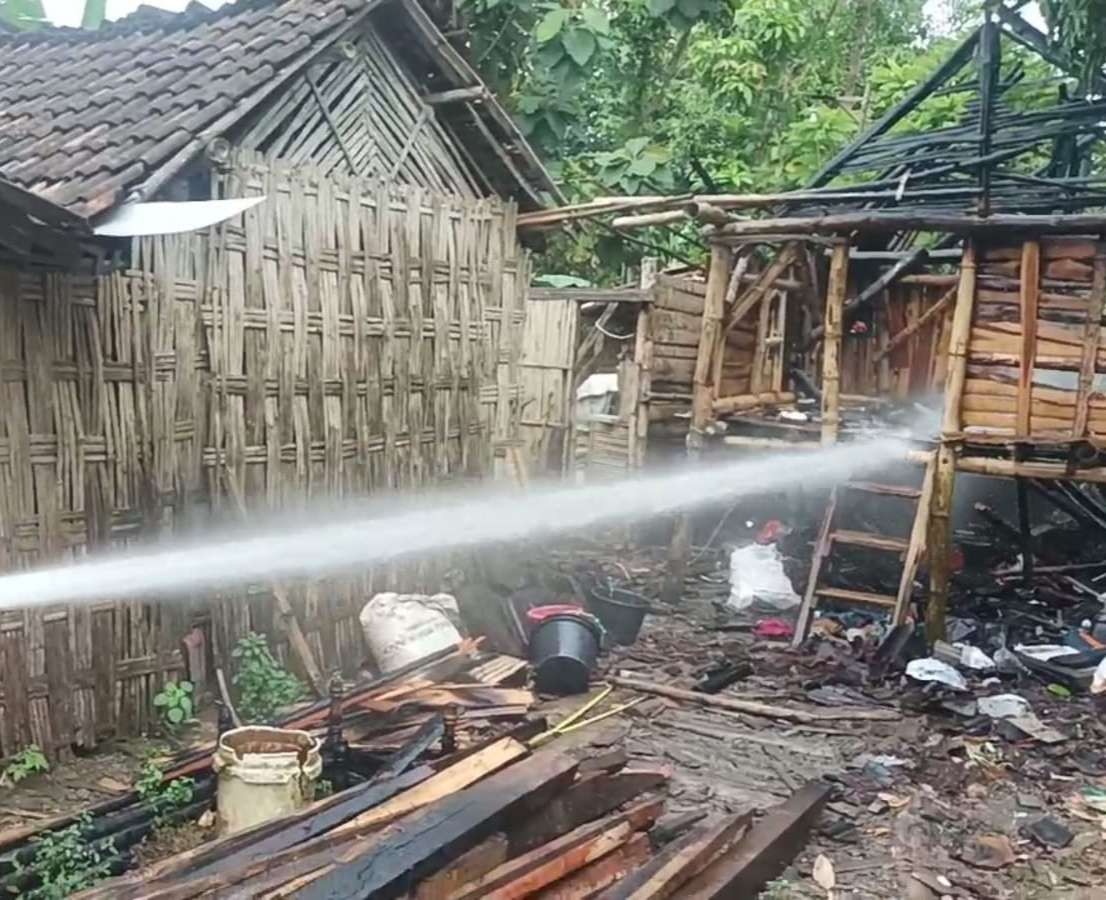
(563, 650)
(620, 611)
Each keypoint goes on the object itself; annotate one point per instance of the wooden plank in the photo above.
(916, 550)
(765, 851)
(540, 867)
(831, 346)
(752, 708)
(821, 551)
(1030, 289)
(469, 866)
(681, 860)
(407, 849)
(1091, 342)
(593, 878)
(745, 303)
(589, 799)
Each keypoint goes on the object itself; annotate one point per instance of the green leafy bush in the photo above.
(176, 703)
(264, 686)
(67, 861)
(162, 797)
(27, 762)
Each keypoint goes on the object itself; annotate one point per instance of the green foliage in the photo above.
(162, 797)
(67, 861)
(176, 704)
(1078, 29)
(27, 762)
(264, 686)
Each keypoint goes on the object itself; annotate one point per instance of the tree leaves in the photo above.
(580, 45)
(550, 26)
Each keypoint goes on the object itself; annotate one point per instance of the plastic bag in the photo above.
(757, 577)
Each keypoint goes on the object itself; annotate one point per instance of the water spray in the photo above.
(335, 539)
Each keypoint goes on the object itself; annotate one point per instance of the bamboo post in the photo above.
(701, 408)
(940, 523)
(643, 359)
(831, 346)
(1029, 295)
(1091, 340)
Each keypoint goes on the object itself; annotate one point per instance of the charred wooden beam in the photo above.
(950, 67)
(765, 851)
(919, 220)
(416, 845)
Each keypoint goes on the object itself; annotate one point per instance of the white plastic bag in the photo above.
(757, 577)
(1098, 683)
(404, 628)
(930, 669)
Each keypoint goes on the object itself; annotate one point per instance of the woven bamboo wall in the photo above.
(345, 338)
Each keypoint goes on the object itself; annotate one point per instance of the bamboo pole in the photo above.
(831, 347)
(878, 220)
(1029, 294)
(701, 413)
(944, 477)
(1009, 468)
(1091, 339)
(743, 402)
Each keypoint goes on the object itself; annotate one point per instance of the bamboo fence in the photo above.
(344, 337)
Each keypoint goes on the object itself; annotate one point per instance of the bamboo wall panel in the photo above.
(99, 415)
(546, 366)
(1036, 355)
(344, 337)
(363, 338)
(675, 320)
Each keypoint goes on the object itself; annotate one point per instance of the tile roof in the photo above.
(86, 117)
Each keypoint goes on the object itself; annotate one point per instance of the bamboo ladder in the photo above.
(910, 550)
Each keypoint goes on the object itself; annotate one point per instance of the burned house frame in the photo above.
(962, 265)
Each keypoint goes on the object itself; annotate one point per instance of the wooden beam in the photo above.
(742, 402)
(538, 868)
(681, 860)
(407, 849)
(1029, 294)
(591, 295)
(328, 117)
(939, 542)
(954, 223)
(764, 282)
(1092, 338)
(765, 851)
(609, 870)
(831, 347)
(588, 799)
(752, 708)
(457, 95)
(874, 290)
(951, 66)
(718, 279)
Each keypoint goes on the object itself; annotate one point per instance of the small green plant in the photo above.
(175, 702)
(264, 686)
(161, 796)
(67, 861)
(27, 762)
(324, 787)
(778, 889)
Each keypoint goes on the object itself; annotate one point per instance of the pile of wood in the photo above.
(498, 822)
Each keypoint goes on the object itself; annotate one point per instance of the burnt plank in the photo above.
(588, 799)
(765, 851)
(542, 866)
(681, 860)
(417, 845)
(602, 873)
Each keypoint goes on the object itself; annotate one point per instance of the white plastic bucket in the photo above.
(263, 773)
(401, 629)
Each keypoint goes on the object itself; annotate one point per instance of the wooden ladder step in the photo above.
(872, 541)
(857, 597)
(890, 490)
